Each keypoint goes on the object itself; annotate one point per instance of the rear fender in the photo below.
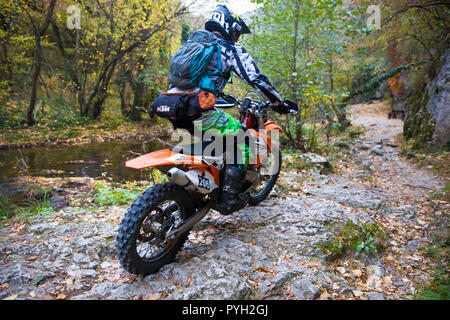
(166, 158)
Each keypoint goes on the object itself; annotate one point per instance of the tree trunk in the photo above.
(138, 102)
(125, 106)
(34, 82)
(97, 105)
(37, 61)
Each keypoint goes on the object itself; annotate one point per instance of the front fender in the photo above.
(270, 125)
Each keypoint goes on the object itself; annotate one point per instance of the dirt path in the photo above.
(273, 251)
(400, 176)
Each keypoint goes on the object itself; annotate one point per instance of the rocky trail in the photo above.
(272, 251)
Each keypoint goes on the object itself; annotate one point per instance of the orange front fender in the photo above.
(270, 125)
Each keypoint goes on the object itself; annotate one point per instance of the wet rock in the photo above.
(42, 227)
(304, 289)
(374, 296)
(346, 288)
(398, 282)
(15, 274)
(348, 194)
(404, 214)
(413, 245)
(100, 290)
(57, 202)
(378, 150)
(313, 158)
(227, 288)
(278, 281)
(376, 270)
(361, 145)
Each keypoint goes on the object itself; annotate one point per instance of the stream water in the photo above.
(97, 160)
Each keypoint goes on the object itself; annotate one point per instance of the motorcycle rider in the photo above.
(228, 27)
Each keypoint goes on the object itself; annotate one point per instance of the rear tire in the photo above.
(140, 227)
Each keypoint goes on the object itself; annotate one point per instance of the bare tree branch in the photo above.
(414, 6)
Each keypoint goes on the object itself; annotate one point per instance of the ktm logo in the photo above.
(163, 109)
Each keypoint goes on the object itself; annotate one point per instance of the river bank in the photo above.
(92, 132)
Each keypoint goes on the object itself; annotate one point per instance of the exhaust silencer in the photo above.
(178, 177)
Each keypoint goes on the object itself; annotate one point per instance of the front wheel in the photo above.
(141, 243)
(268, 177)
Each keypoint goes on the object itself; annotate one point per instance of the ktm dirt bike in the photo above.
(157, 224)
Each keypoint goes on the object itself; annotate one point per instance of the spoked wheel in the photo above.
(267, 179)
(142, 245)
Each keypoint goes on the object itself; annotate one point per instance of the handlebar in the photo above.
(247, 103)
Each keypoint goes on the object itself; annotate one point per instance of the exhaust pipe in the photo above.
(189, 223)
(178, 177)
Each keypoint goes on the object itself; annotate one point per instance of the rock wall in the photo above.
(439, 101)
(428, 108)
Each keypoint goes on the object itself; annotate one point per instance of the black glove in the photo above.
(281, 107)
(285, 107)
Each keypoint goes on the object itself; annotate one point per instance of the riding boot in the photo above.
(230, 199)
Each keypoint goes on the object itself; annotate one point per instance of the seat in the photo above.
(190, 149)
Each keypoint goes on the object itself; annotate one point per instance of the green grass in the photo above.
(7, 208)
(437, 289)
(106, 196)
(37, 208)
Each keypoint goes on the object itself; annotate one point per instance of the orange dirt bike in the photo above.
(157, 224)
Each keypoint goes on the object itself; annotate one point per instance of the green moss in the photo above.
(350, 238)
(419, 125)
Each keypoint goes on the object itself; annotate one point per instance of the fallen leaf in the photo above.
(61, 296)
(154, 296)
(31, 258)
(386, 280)
(261, 269)
(357, 293)
(324, 296)
(341, 270)
(312, 264)
(4, 286)
(33, 294)
(357, 272)
(14, 297)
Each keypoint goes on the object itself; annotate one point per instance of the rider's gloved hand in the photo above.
(283, 107)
